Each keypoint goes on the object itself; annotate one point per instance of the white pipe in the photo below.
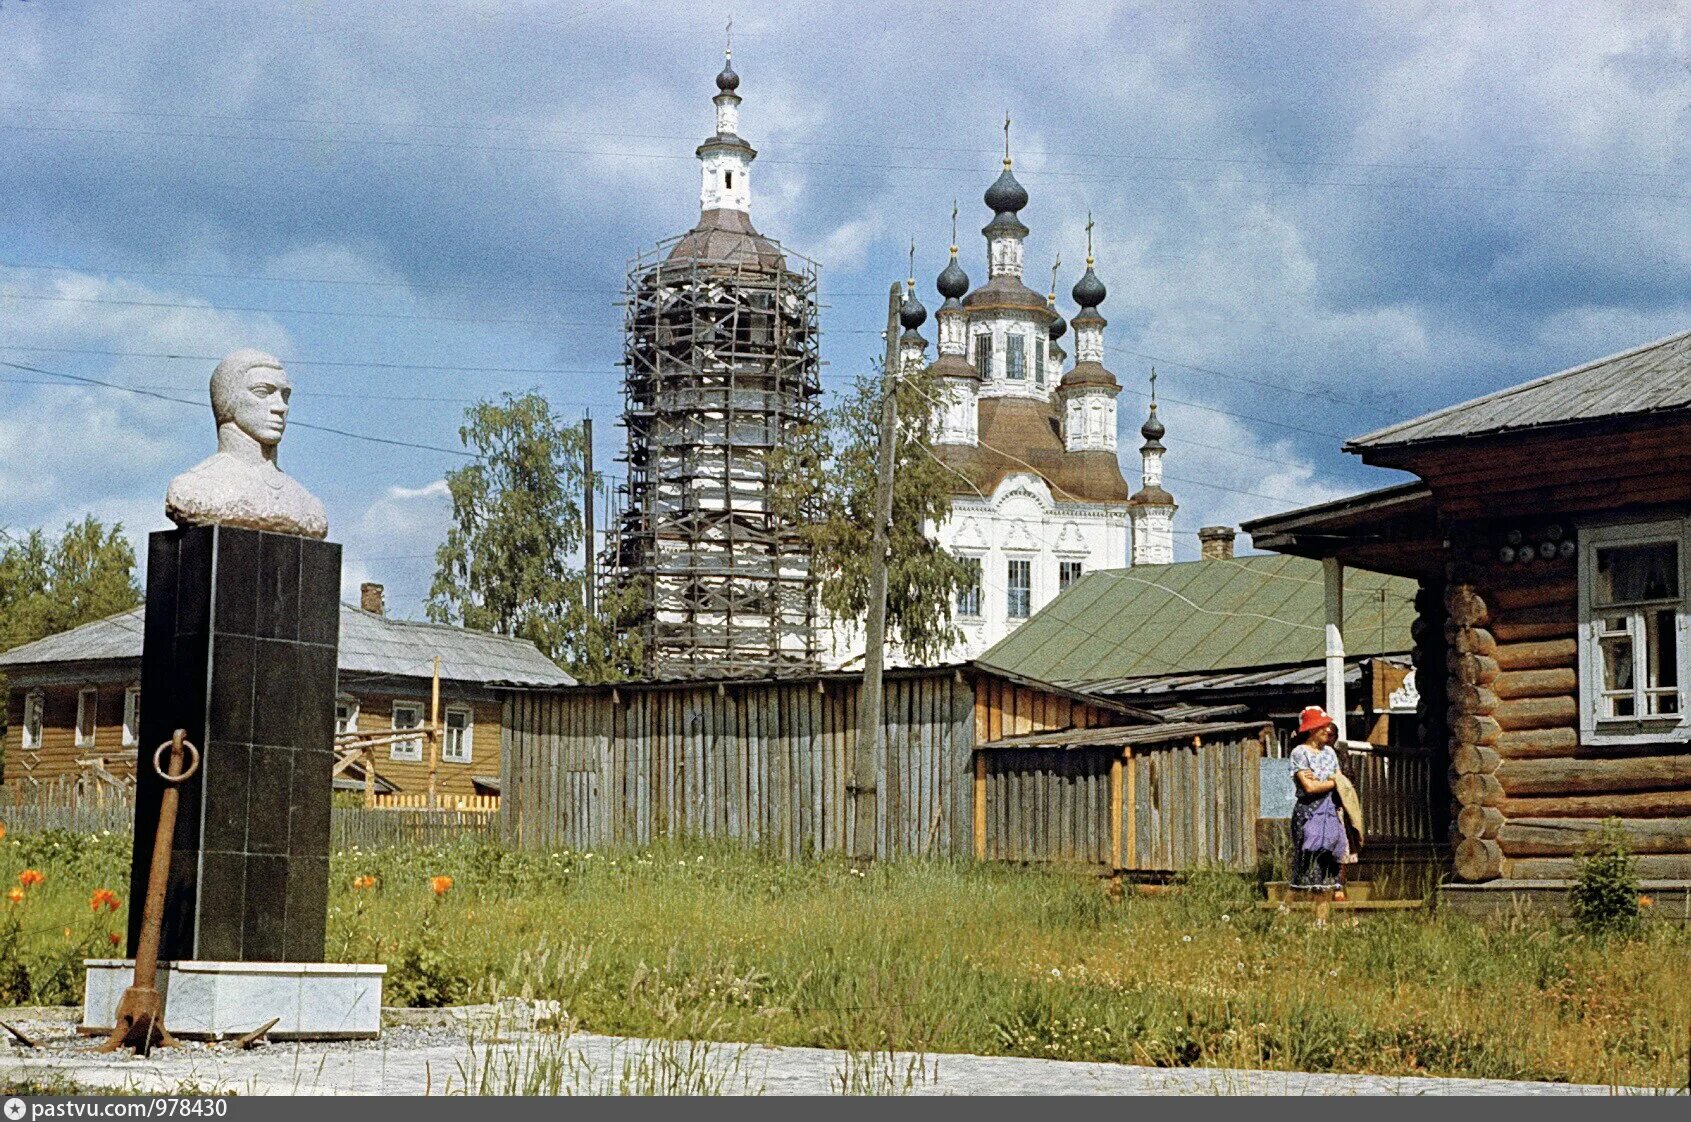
(1334, 573)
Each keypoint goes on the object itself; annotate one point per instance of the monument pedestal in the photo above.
(240, 651)
(220, 1000)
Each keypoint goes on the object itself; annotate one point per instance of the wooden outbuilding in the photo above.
(1549, 533)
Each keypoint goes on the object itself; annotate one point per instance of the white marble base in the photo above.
(216, 1000)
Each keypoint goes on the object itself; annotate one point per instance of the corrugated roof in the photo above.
(370, 644)
(1123, 736)
(1653, 378)
(1303, 674)
(1196, 617)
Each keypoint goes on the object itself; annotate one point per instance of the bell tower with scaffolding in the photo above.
(722, 367)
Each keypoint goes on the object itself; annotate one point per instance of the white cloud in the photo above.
(392, 541)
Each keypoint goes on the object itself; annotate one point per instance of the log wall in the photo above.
(1528, 795)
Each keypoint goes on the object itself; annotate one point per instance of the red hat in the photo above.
(1313, 717)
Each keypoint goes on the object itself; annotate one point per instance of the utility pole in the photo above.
(434, 735)
(590, 596)
(865, 768)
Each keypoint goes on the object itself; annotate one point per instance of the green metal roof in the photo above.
(1195, 616)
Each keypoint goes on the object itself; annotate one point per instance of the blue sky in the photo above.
(1313, 219)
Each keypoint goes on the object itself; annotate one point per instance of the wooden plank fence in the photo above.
(1165, 807)
(764, 763)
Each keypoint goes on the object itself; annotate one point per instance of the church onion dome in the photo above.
(728, 239)
(1006, 195)
(1152, 430)
(1088, 317)
(1089, 291)
(955, 366)
(1086, 375)
(1151, 496)
(953, 282)
(911, 313)
(728, 81)
(1005, 224)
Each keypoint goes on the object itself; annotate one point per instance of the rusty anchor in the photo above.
(140, 1012)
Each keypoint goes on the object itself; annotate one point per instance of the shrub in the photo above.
(1605, 892)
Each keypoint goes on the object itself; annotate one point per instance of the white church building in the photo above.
(1040, 495)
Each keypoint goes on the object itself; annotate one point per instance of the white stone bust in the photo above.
(240, 485)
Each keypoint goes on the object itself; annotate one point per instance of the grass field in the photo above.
(937, 958)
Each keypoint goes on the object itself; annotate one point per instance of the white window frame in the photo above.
(976, 356)
(351, 703)
(411, 749)
(1015, 347)
(34, 705)
(1010, 589)
(1080, 571)
(132, 717)
(467, 752)
(976, 593)
(1599, 731)
(87, 703)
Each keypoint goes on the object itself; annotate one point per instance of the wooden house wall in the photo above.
(764, 763)
(1528, 794)
(57, 754)
(1154, 809)
(375, 714)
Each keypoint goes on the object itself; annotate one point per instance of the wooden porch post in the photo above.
(1333, 570)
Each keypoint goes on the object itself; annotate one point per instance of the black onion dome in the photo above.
(911, 313)
(953, 282)
(1152, 429)
(1006, 194)
(728, 81)
(1058, 326)
(1089, 291)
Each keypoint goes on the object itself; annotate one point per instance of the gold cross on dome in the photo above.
(911, 282)
(728, 49)
(954, 227)
(1153, 387)
(1055, 265)
(1006, 140)
(1089, 225)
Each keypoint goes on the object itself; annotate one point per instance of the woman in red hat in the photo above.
(1319, 844)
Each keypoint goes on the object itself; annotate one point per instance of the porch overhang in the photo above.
(1393, 530)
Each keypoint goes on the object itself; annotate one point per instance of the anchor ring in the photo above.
(193, 761)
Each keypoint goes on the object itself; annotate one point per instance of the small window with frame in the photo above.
(132, 716)
(460, 727)
(32, 707)
(1632, 633)
(407, 715)
(1019, 588)
(346, 713)
(969, 592)
(1067, 573)
(983, 356)
(87, 716)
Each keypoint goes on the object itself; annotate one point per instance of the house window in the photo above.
(132, 716)
(1039, 362)
(32, 721)
(983, 356)
(728, 180)
(1067, 573)
(459, 726)
(1020, 589)
(1633, 621)
(969, 592)
(346, 713)
(407, 715)
(1015, 358)
(86, 712)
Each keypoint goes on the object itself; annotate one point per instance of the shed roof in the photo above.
(1652, 378)
(1123, 736)
(1200, 617)
(370, 644)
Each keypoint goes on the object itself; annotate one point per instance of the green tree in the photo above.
(511, 560)
(48, 586)
(826, 484)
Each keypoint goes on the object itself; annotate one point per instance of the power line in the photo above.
(201, 405)
(338, 312)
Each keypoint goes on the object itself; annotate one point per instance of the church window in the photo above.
(728, 180)
(969, 592)
(983, 356)
(1019, 604)
(1015, 358)
(1067, 573)
(1039, 362)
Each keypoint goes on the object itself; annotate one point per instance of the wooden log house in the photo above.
(1549, 532)
(73, 701)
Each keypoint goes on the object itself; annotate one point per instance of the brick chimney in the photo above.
(1216, 542)
(370, 597)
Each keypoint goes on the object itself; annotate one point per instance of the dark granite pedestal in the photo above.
(242, 632)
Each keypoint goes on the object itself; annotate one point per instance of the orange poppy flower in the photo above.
(29, 878)
(363, 882)
(1646, 901)
(104, 898)
(15, 895)
(2, 829)
(114, 939)
(440, 885)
